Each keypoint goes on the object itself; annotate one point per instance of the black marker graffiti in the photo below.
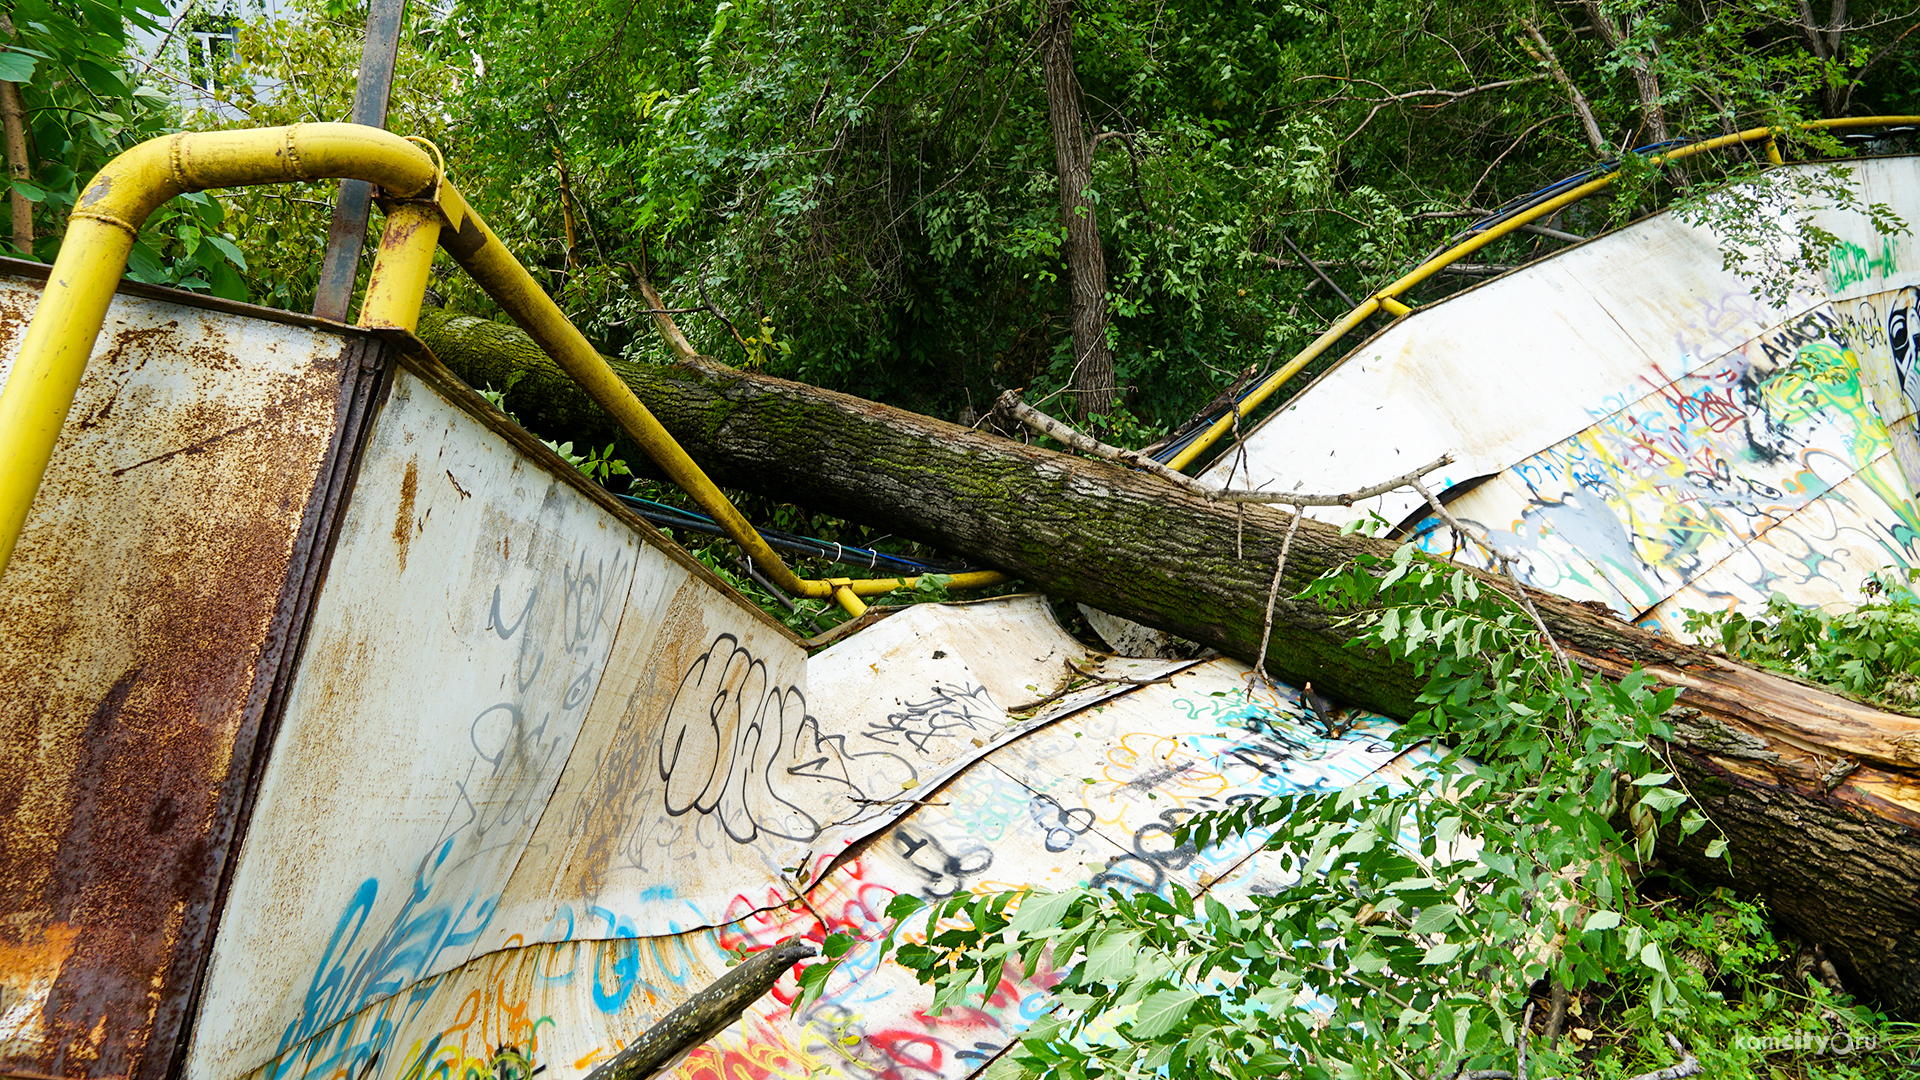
(1062, 826)
(730, 749)
(952, 711)
(945, 872)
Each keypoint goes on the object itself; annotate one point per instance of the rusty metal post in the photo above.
(350, 209)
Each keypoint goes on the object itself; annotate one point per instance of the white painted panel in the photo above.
(1669, 422)
(466, 619)
(1822, 555)
(1012, 812)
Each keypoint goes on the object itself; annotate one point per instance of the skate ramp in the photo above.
(1633, 426)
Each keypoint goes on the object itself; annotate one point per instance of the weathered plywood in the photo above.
(144, 621)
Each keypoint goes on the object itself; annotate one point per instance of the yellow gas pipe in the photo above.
(431, 211)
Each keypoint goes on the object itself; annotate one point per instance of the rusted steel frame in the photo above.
(106, 221)
(368, 370)
(351, 206)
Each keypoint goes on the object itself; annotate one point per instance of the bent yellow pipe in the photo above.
(1388, 298)
(107, 220)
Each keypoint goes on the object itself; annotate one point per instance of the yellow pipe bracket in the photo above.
(843, 594)
(398, 285)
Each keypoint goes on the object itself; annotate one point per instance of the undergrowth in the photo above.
(1425, 927)
(1871, 651)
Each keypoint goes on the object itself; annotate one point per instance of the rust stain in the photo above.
(403, 520)
(28, 965)
(139, 605)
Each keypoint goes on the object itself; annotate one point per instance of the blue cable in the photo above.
(674, 517)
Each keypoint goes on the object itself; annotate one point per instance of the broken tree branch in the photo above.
(1010, 406)
(704, 1015)
(1689, 1065)
(1317, 272)
(1547, 56)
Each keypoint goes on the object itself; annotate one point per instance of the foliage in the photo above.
(1768, 227)
(302, 69)
(1423, 915)
(1871, 651)
(86, 104)
(599, 466)
(877, 181)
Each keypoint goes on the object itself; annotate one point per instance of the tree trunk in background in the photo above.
(1092, 387)
(1836, 854)
(13, 122)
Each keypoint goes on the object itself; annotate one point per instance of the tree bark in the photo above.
(1819, 794)
(1092, 385)
(13, 125)
(1646, 80)
(13, 122)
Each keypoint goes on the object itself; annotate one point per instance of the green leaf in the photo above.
(144, 265)
(1435, 919)
(836, 945)
(1443, 953)
(1692, 822)
(1650, 956)
(904, 905)
(227, 248)
(1042, 911)
(1161, 1012)
(227, 283)
(1716, 848)
(1653, 779)
(1115, 956)
(16, 66)
(1661, 800)
(1601, 920)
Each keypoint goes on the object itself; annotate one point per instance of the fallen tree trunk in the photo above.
(1819, 794)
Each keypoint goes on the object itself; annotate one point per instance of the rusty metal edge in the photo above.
(367, 368)
(38, 272)
(417, 358)
(346, 235)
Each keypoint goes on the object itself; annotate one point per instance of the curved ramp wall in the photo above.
(1633, 426)
(352, 735)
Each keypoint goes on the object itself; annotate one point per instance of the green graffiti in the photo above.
(1849, 264)
(1823, 384)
